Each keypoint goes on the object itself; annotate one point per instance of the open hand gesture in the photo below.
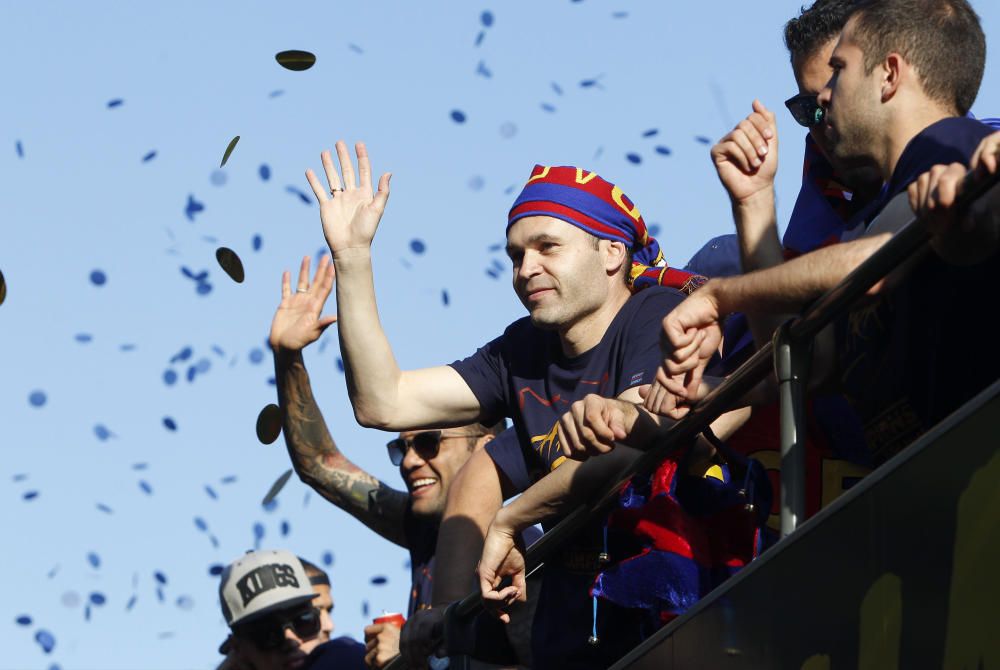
(350, 212)
(747, 158)
(298, 321)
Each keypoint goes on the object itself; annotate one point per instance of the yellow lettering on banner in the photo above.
(580, 179)
(881, 623)
(541, 175)
(616, 195)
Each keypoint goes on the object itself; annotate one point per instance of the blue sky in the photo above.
(78, 197)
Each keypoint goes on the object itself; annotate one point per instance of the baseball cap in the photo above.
(261, 582)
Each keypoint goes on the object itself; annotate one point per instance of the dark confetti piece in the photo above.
(146, 488)
(493, 273)
(652, 132)
(556, 88)
(214, 540)
(83, 338)
(276, 487)
(480, 37)
(165, 635)
(295, 60)
(160, 577)
(702, 139)
(211, 239)
(45, 640)
(185, 603)
(191, 372)
(196, 276)
(633, 158)
(128, 346)
(215, 569)
(589, 83)
(218, 351)
(306, 498)
(102, 432)
(275, 94)
(53, 572)
(619, 15)
(203, 365)
(210, 492)
(37, 398)
(218, 178)
(23, 620)
(19, 477)
(476, 183)
(355, 48)
(271, 381)
(117, 102)
(140, 466)
(458, 116)
(94, 559)
(302, 196)
(662, 150)
(169, 377)
(379, 580)
(228, 479)
(159, 594)
(70, 599)
(406, 564)
(483, 71)
(269, 423)
(256, 355)
(264, 171)
(493, 248)
(97, 598)
(192, 207)
(256, 242)
(444, 297)
(169, 423)
(364, 608)
(327, 558)
(497, 265)
(104, 508)
(131, 603)
(654, 229)
(29, 495)
(417, 246)
(200, 524)
(548, 108)
(229, 151)
(98, 278)
(486, 18)
(20, 149)
(182, 355)
(231, 263)
(203, 288)
(86, 612)
(258, 531)
(340, 364)
(148, 157)
(508, 130)
(286, 528)
(270, 506)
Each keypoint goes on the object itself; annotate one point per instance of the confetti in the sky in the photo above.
(29, 495)
(364, 609)
(192, 207)
(355, 48)
(218, 178)
(45, 640)
(417, 246)
(93, 559)
(295, 60)
(652, 132)
(327, 558)
(702, 139)
(548, 108)
(302, 196)
(83, 338)
(210, 492)
(97, 598)
(37, 398)
(654, 229)
(256, 356)
(619, 15)
(340, 364)
(102, 432)
(633, 158)
(23, 620)
(480, 37)
(19, 148)
(117, 102)
(185, 603)
(215, 569)
(70, 599)
(444, 297)
(276, 488)
(276, 94)
(257, 242)
(269, 424)
(160, 577)
(379, 580)
(231, 263)
(556, 88)
(229, 150)
(484, 71)
(146, 488)
(148, 157)
(286, 528)
(169, 423)
(486, 18)
(476, 183)
(169, 377)
(663, 150)
(508, 130)
(98, 278)
(264, 171)
(458, 116)
(104, 508)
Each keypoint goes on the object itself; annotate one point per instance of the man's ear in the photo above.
(615, 256)
(894, 69)
(482, 441)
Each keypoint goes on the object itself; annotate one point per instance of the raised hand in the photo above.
(503, 556)
(747, 158)
(299, 321)
(350, 212)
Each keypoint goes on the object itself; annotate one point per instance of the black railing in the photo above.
(912, 238)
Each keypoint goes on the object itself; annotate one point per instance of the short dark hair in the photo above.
(814, 27)
(941, 39)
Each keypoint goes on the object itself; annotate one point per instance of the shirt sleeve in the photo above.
(486, 372)
(640, 353)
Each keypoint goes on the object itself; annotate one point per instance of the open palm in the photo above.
(298, 322)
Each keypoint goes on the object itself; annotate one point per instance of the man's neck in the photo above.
(587, 332)
(904, 127)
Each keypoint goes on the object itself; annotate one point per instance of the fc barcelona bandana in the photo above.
(590, 203)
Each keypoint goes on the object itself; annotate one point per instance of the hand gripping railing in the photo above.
(788, 356)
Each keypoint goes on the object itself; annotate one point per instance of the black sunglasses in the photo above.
(269, 633)
(805, 109)
(426, 444)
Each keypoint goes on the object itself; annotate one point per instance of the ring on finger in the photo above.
(302, 290)
(335, 191)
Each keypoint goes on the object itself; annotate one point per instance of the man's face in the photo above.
(812, 72)
(852, 100)
(291, 649)
(324, 603)
(559, 275)
(428, 479)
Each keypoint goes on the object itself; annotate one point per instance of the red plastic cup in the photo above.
(394, 618)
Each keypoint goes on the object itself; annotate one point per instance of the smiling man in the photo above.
(427, 459)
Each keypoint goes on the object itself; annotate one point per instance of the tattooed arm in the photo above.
(321, 465)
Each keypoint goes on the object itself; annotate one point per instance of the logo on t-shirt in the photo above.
(636, 378)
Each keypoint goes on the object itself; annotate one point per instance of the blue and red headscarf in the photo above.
(590, 203)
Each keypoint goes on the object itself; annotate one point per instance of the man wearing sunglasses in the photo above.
(279, 616)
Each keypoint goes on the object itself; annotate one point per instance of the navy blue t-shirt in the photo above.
(524, 375)
(919, 352)
(342, 653)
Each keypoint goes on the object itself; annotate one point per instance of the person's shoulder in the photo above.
(342, 653)
(947, 141)
(655, 298)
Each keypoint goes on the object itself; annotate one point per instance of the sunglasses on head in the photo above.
(426, 444)
(269, 633)
(805, 110)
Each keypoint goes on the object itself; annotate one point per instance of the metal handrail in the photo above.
(912, 238)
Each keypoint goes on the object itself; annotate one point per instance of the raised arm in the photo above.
(315, 456)
(383, 396)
